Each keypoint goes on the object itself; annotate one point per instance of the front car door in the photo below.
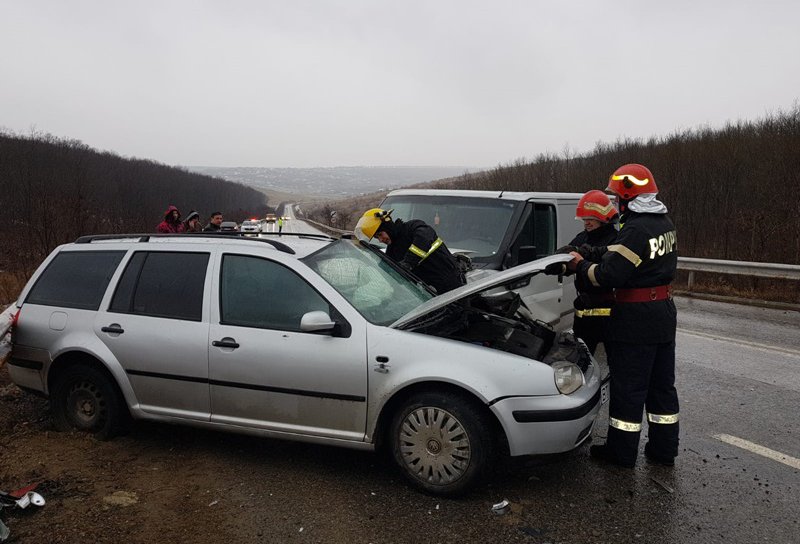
(267, 373)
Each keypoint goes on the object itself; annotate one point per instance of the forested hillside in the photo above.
(733, 192)
(53, 190)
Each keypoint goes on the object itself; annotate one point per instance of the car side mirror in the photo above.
(527, 254)
(316, 321)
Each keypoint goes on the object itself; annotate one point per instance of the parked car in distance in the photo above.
(499, 230)
(303, 338)
(228, 226)
(251, 226)
(271, 218)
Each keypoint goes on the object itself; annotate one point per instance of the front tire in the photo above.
(86, 399)
(442, 443)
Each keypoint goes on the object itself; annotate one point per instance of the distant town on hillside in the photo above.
(338, 181)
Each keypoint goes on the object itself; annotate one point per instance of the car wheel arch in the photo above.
(79, 371)
(400, 397)
(69, 359)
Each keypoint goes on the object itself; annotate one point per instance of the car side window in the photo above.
(75, 279)
(256, 292)
(162, 284)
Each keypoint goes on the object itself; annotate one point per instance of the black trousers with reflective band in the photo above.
(642, 376)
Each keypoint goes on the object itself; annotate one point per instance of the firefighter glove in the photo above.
(555, 269)
(566, 249)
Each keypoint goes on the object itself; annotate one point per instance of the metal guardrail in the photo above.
(324, 226)
(743, 268)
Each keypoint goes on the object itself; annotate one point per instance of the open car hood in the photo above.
(506, 277)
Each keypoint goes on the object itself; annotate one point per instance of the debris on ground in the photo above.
(502, 507)
(121, 498)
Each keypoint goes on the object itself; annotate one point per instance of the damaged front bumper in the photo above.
(550, 424)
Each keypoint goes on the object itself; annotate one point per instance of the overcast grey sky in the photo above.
(349, 82)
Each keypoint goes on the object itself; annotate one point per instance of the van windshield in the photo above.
(474, 224)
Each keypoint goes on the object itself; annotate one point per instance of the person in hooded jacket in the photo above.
(593, 303)
(640, 339)
(192, 223)
(415, 246)
(171, 223)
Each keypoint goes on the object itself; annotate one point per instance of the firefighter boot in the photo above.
(604, 453)
(656, 459)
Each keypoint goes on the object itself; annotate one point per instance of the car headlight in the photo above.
(568, 376)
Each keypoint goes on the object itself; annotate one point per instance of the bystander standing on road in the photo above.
(192, 223)
(214, 222)
(171, 223)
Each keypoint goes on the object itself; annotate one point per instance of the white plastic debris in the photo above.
(502, 507)
(31, 497)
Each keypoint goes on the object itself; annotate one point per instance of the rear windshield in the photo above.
(475, 224)
(75, 279)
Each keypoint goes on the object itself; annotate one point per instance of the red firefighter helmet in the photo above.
(596, 205)
(632, 180)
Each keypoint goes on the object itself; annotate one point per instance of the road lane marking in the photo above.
(760, 450)
(756, 345)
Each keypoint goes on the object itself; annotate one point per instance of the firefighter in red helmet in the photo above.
(593, 303)
(640, 340)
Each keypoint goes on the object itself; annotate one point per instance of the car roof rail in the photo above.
(280, 246)
(299, 235)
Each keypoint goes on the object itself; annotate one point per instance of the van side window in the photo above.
(538, 235)
(256, 292)
(162, 284)
(544, 229)
(75, 279)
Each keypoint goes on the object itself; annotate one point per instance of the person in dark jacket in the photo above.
(415, 246)
(214, 222)
(640, 340)
(171, 223)
(593, 303)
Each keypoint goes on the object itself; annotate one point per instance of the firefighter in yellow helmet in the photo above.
(640, 339)
(415, 246)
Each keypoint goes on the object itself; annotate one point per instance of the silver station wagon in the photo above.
(303, 338)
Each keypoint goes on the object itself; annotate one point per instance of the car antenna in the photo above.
(501, 193)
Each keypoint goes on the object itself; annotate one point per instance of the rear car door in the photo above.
(267, 373)
(156, 329)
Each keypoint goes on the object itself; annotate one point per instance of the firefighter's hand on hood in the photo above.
(592, 253)
(563, 250)
(576, 259)
(555, 269)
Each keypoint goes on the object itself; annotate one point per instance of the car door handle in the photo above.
(113, 328)
(225, 343)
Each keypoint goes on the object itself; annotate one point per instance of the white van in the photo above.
(499, 230)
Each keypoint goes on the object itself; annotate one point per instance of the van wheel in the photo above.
(442, 443)
(86, 399)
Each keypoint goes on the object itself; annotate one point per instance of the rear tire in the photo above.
(86, 399)
(442, 442)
